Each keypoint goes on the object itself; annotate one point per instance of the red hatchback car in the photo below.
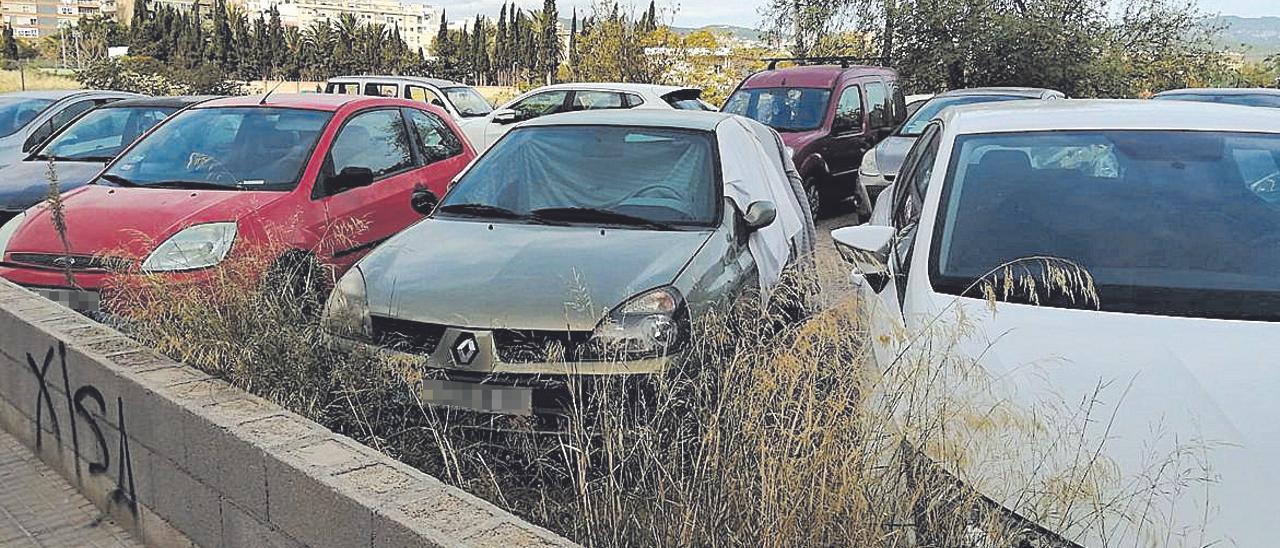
(284, 170)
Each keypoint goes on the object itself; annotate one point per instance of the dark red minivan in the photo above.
(830, 111)
(230, 174)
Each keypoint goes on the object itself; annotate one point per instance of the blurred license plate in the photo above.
(507, 400)
(75, 299)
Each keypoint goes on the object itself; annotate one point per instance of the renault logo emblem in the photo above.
(465, 349)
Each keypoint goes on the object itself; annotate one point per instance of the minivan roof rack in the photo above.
(843, 61)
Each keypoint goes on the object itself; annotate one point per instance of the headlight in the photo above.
(6, 231)
(347, 312)
(652, 324)
(199, 246)
(869, 167)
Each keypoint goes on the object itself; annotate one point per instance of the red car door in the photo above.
(365, 184)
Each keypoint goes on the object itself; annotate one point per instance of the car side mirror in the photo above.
(423, 200)
(505, 116)
(350, 177)
(760, 214)
(866, 248)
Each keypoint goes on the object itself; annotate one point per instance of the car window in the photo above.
(597, 100)
(102, 134)
(375, 140)
(435, 140)
(619, 174)
(931, 108)
(849, 111)
(878, 114)
(540, 104)
(633, 100)
(56, 122)
(419, 93)
(917, 169)
(468, 102)
(17, 112)
(783, 109)
(239, 148)
(380, 90)
(1167, 222)
(343, 88)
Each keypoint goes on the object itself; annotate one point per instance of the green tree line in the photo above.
(1081, 47)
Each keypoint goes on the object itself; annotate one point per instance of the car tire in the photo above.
(815, 197)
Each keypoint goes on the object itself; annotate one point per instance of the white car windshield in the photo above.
(593, 175)
(1176, 223)
(915, 125)
(468, 101)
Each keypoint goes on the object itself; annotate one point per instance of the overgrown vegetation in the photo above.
(1085, 48)
(770, 434)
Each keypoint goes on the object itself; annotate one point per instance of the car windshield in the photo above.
(101, 134)
(1245, 99)
(1175, 223)
(784, 109)
(915, 125)
(468, 101)
(593, 175)
(17, 112)
(248, 148)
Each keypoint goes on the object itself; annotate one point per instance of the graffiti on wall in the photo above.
(83, 403)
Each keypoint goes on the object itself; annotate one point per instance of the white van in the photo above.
(461, 101)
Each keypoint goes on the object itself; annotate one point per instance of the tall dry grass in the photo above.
(34, 79)
(770, 432)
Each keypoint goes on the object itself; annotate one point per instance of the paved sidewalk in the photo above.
(40, 509)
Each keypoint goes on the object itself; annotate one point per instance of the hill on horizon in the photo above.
(1256, 37)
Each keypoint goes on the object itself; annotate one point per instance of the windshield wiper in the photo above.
(594, 215)
(481, 210)
(194, 185)
(117, 180)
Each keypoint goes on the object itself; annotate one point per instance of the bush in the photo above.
(149, 76)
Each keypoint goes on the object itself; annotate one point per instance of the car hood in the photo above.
(133, 221)
(482, 275)
(891, 152)
(797, 140)
(26, 183)
(1164, 396)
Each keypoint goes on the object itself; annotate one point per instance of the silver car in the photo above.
(602, 234)
(27, 118)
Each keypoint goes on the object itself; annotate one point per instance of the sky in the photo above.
(746, 13)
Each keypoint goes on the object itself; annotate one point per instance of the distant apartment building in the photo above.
(33, 19)
(416, 22)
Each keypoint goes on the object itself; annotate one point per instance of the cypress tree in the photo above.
(573, 45)
(500, 45)
(549, 42)
(8, 44)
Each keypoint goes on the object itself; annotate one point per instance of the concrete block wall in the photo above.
(184, 459)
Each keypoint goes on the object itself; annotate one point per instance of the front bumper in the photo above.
(874, 183)
(464, 369)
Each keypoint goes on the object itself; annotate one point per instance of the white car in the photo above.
(1173, 209)
(483, 132)
(461, 101)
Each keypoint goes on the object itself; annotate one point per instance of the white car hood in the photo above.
(1166, 394)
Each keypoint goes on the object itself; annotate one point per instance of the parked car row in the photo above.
(602, 219)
